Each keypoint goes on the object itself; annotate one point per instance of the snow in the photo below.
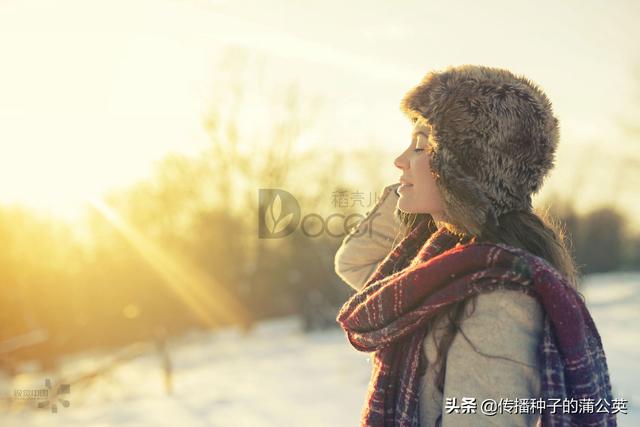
(614, 303)
(277, 375)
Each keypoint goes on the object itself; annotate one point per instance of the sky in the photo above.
(93, 92)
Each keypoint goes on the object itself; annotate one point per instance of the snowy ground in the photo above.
(279, 376)
(614, 303)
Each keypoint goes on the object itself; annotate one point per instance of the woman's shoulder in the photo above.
(506, 305)
(505, 321)
(512, 304)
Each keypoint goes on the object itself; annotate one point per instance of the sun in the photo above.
(75, 126)
(50, 175)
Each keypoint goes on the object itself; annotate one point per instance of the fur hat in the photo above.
(494, 136)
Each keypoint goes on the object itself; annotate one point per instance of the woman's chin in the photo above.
(404, 204)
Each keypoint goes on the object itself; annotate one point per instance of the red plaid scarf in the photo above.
(419, 279)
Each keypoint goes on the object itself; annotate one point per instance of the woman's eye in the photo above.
(418, 149)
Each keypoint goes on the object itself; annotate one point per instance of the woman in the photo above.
(467, 296)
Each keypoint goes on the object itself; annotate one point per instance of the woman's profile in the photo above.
(466, 295)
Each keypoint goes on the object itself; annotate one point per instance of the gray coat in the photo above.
(504, 323)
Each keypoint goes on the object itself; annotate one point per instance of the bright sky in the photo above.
(92, 92)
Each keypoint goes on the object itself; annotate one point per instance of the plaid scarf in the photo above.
(419, 279)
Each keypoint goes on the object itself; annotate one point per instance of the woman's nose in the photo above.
(400, 162)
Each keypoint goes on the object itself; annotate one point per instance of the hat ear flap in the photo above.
(465, 202)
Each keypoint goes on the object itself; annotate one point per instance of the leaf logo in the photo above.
(278, 213)
(272, 219)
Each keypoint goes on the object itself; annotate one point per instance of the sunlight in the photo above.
(137, 138)
(208, 300)
(94, 92)
(89, 109)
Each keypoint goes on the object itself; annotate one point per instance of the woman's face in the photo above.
(419, 194)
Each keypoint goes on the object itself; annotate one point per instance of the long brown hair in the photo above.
(534, 231)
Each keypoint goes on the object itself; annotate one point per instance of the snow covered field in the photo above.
(279, 376)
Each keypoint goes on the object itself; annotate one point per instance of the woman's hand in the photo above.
(369, 241)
